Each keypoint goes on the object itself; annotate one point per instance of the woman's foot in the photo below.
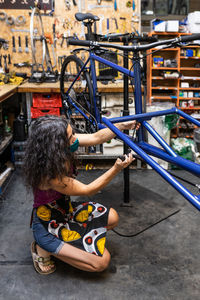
(41, 259)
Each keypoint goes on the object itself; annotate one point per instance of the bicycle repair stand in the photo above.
(126, 172)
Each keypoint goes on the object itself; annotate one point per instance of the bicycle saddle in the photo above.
(87, 16)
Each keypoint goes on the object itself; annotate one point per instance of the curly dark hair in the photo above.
(47, 151)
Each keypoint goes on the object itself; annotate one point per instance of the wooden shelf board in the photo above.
(190, 78)
(187, 57)
(165, 49)
(5, 142)
(164, 88)
(189, 98)
(162, 98)
(163, 68)
(189, 89)
(189, 69)
(162, 78)
(164, 33)
(190, 108)
(192, 46)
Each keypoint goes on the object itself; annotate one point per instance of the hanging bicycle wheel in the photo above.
(81, 94)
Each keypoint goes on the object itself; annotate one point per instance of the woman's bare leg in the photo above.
(113, 219)
(83, 260)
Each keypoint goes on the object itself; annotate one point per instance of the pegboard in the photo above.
(24, 4)
(121, 15)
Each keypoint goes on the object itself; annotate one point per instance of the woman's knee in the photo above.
(103, 262)
(113, 219)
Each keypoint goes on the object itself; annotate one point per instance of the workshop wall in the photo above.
(122, 16)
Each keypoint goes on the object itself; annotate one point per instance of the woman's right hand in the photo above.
(121, 164)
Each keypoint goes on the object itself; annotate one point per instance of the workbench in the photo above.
(54, 87)
(27, 88)
(7, 90)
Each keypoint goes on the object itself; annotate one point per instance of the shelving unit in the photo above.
(184, 88)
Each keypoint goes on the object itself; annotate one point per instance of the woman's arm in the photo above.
(104, 135)
(73, 187)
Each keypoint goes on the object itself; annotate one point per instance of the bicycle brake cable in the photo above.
(86, 111)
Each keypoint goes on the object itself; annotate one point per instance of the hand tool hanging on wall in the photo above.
(49, 40)
(116, 25)
(81, 5)
(3, 42)
(94, 6)
(115, 4)
(124, 24)
(108, 25)
(1, 68)
(19, 43)
(26, 43)
(9, 59)
(54, 35)
(67, 4)
(24, 30)
(20, 20)
(10, 20)
(3, 16)
(5, 64)
(13, 44)
(133, 5)
(95, 28)
(100, 24)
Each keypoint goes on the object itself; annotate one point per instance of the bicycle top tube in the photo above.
(136, 48)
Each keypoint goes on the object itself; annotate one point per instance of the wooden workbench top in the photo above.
(45, 87)
(7, 90)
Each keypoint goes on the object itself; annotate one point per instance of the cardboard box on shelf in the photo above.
(172, 26)
(158, 25)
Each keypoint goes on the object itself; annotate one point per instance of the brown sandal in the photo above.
(45, 261)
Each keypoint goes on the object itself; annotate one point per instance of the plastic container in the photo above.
(20, 128)
(196, 138)
(19, 146)
(47, 100)
(7, 129)
(36, 112)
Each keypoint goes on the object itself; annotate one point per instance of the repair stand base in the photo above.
(124, 204)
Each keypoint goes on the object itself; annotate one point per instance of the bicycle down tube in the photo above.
(142, 148)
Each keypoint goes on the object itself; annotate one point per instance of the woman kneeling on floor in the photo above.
(74, 232)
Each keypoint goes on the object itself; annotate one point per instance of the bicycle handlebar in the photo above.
(126, 37)
(135, 48)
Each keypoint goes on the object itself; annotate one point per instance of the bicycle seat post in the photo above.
(89, 35)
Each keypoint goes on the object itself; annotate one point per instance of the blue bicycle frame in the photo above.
(142, 148)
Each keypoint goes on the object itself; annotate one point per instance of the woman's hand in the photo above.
(129, 125)
(121, 164)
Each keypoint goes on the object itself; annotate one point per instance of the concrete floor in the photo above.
(160, 263)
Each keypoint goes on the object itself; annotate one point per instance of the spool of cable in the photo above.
(10, 20)
(20, 20)
(3, 16)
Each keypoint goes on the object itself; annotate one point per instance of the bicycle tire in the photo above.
(83, 96)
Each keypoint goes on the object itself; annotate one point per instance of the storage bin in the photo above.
(197, 138)
(46, 100)
(37, 112)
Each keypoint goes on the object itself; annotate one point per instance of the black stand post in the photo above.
(126, 113)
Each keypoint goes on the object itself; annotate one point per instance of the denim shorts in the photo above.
(43, 238)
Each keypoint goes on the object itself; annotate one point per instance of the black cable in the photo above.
(148, 227)
(185, 180)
